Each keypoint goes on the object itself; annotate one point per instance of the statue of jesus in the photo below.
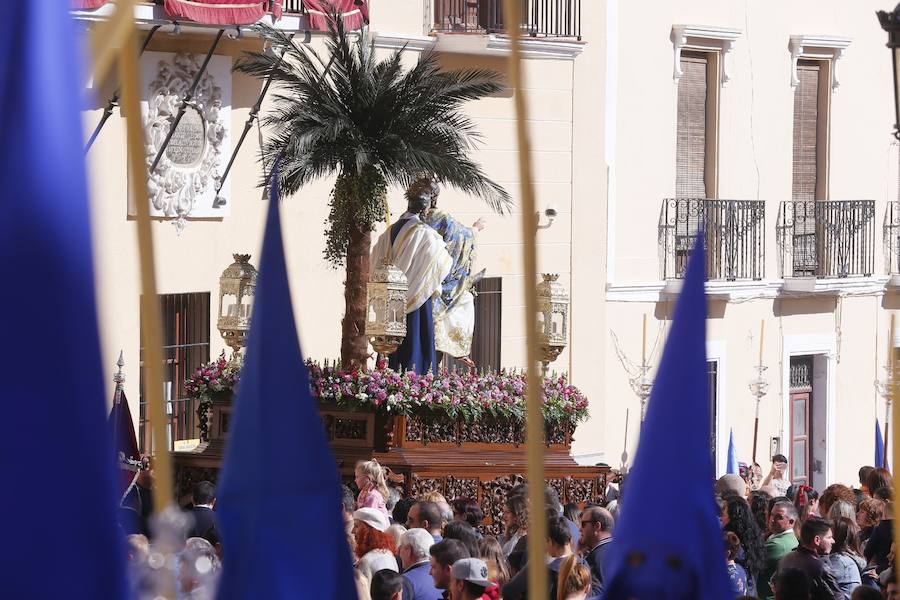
(420, 252)
(454, 310)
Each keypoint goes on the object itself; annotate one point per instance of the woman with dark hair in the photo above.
(515, 522)
(468, 510)
(879, 545)
(571, 512)
(844, 560)
(759, 507)
(742, 523)
(877, 479)
(465, 533)
(806, 499)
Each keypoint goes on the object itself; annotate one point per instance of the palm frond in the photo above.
(349, 111)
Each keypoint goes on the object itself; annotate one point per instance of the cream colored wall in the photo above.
(755, 132)
(193, 261)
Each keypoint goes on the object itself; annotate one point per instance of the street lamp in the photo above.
(890, 22)
(553, 318)
(386, 320)
(237, 287)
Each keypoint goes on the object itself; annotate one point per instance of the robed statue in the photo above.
(420, 252)
(454, 309)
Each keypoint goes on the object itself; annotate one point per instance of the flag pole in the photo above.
(534, 423)
(151, 324)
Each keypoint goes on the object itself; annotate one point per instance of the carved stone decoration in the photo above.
(819, 47)
(184, 183)
(705, 39)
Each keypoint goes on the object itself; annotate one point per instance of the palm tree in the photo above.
(372, 124)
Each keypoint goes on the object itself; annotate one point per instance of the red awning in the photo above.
(354, 16)
(88, 4)
(218, 12)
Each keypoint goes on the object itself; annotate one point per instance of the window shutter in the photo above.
(806, 114)
(690, 157)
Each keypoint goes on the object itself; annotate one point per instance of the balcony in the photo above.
(734, 231)
(891, 229)
(541, 18)
(826, 239)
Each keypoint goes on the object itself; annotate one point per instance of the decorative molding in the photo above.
(499, 45)
(396, 41)
(184, 182)
(704, 38)
(821, 47)
(731, 291)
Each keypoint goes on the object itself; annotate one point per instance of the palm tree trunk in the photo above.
(354, 345)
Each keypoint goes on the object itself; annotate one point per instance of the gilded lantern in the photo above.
(237, 288)
(386, 316)
(553, 317)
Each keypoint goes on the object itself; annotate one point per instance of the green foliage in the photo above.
(357, 203)
(348, 113)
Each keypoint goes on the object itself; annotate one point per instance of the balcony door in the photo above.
(810, 165)
(801, 420)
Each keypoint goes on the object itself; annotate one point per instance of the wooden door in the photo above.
(801, 436)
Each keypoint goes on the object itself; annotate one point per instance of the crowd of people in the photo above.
(779, 541)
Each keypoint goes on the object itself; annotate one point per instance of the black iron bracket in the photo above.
(186, 101)
(113, 102)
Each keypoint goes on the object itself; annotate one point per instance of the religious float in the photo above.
(459, 433)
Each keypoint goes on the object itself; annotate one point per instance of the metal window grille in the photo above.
(540, 18)
(186, 327)
(734, 233)
(712, 375)
(827, 238)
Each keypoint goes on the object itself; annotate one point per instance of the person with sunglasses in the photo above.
(596, 539)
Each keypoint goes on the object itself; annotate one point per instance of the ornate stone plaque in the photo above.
(187, 144)
(189, 170)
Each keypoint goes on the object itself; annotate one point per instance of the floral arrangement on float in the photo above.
(469, 396)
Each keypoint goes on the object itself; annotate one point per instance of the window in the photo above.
(695, 149)
(810, 156)
(488, 320)
(185, 322)
(712, 374)
(810, 162)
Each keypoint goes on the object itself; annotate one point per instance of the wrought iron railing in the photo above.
(891, 229)
(293, 7)
(540, 18)
(734, 232)
(827, 238)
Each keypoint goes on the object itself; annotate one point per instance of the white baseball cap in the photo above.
(372, 517)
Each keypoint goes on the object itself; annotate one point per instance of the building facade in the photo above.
(767, 127)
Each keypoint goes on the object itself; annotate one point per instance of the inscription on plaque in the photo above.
(186, 146)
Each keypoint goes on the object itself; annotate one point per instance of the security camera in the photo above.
(551, 212)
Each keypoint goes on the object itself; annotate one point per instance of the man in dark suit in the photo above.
(206, 524)
(596, 538)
